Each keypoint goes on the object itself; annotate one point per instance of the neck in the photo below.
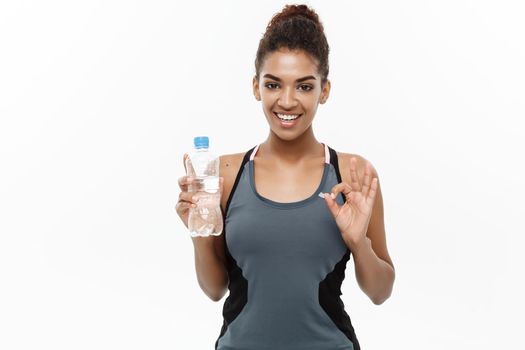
(304, 147)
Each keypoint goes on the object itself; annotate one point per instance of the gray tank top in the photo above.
(286, 263)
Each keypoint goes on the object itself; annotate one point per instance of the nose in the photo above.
(287, 98)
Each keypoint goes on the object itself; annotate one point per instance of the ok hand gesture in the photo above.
(353, 216)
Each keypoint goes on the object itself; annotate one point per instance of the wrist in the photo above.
(360, 245)
(201, 242)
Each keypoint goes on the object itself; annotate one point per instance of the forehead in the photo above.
(287, 63)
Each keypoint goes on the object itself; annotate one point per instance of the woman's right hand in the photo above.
(185, 201)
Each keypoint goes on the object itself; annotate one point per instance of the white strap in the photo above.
(254, 151)
(326, 154)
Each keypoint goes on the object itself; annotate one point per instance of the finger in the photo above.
(368, 179)
(187, 197)
(182, 206)
(332, 204)
(343, 188)
(373, 190)
(184, 157)
(355, 183)
(184, 181)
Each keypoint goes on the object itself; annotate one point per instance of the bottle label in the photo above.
(211, 184)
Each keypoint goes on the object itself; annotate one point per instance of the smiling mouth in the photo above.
(287, 117)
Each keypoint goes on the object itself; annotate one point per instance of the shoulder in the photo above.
(229, 167)
(230, 164)
(344, 165)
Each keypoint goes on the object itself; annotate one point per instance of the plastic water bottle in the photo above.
(206, 218)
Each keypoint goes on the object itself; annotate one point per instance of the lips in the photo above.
(287, 116)
(286, 121)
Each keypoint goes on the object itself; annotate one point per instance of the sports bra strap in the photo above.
(326, 154)
(254, 151)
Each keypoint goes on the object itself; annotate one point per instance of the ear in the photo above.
(256, 91)
(325, 92)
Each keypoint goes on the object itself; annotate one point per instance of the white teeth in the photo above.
(287, 117)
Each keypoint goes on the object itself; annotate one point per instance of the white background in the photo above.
(100, 99)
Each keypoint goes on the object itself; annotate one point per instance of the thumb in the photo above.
(331, 204)
(184, 162)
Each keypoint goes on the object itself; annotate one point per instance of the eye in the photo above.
(305, 87)
(271, 86)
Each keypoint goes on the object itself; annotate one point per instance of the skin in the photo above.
(289, 166)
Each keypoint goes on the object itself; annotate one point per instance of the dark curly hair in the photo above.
(296, 27)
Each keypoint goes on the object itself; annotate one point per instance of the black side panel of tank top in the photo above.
(330, 287)
(335, 163)
(238, 285)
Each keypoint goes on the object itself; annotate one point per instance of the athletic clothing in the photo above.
(286, 263)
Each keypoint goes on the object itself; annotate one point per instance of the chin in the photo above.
(287, 136)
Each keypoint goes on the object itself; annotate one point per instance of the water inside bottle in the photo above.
(206, 218)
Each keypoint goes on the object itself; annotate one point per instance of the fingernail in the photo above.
(332, 195)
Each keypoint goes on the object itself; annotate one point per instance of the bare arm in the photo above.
(209, 252)
(210, 266)
(374, 269)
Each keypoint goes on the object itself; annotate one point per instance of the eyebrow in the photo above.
(297, 81)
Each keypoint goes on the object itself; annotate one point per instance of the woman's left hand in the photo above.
(353, 216)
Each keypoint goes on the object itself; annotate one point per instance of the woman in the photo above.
(294, 211)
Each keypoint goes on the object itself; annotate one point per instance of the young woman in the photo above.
(294, 211)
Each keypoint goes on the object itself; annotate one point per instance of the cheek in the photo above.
(311, 103)
(268, 107)
(268, 101)
(268, 96)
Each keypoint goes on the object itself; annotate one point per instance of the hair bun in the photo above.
(295, 27)
(290, 11)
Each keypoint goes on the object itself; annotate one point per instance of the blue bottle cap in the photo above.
(201, 142)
